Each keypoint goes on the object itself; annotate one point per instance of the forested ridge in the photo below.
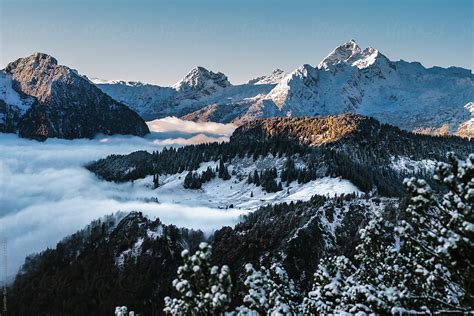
(86, 265)
(351, 146)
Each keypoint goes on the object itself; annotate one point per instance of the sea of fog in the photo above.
(47, 194)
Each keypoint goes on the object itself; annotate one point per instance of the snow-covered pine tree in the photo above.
(377, 285)
(330, 285)
(457, 240)
(123, 311)
(441, 229)
(202, 289)
(424, 262)
(270, 292)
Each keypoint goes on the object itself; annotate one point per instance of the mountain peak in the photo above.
(67, 105)
(201, 79)
(340, 54)
(350, 53)
(275, 77)
(35, 60)
(38, 56)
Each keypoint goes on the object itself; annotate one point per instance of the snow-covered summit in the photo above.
(295, 84)
(201, 80)
(275, 77)
(340, 54)
(351, 54)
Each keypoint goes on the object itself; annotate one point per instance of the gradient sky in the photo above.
(160, 41)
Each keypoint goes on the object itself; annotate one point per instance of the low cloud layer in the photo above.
(46, 194)
(174, 124)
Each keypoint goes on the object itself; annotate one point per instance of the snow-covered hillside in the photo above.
(349, 79)
(237, 192)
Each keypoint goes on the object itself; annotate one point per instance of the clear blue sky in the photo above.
(160, 41)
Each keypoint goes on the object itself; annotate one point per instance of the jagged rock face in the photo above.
(66, 105)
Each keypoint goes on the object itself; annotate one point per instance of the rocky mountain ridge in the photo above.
(42, 99)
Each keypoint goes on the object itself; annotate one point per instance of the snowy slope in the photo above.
(218, 193)
(12, 104)
(10, 96)
(466, 129)
(275, 77)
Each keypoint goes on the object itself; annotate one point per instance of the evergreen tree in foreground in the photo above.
(330, 283)
(202, 289)
(270, 292)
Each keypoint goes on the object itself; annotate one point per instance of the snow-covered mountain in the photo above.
(41, 99)
(349, 79)
(199, 89)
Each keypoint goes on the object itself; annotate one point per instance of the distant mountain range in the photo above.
(41, 99)
(350, 79)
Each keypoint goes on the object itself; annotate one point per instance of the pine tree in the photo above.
(331, 282)
(256, 178)
(457, 240)
(270, 292)
(441, 230)
(423, 262)
(192, 181)
(250, 179)
(202, 289)
(156, 182)
(377, 284)
(223, 171)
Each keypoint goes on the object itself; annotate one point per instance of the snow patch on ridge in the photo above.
(10, 96)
